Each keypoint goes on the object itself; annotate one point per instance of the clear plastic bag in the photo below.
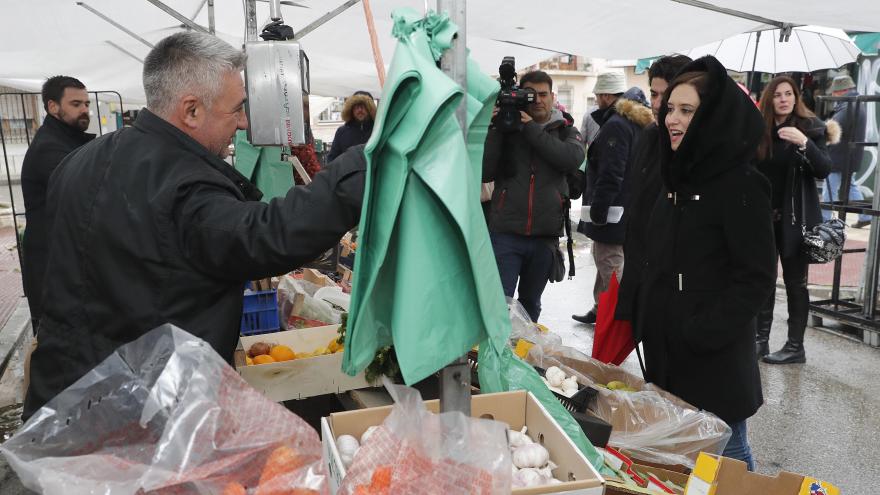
(310, 307)
(419, 453)
(165, 414)
(651, 424)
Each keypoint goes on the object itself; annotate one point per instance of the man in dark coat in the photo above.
(712, 260)
(358, 113)
(621, 116)
(151, 225)
(643, 176)
(529, 169)
(66, 102)
(854, 131)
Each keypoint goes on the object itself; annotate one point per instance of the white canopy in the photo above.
(40, 38)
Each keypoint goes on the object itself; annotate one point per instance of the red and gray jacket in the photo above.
(529, 169)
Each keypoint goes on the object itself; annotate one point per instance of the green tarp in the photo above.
(263, 166)
(426, 279)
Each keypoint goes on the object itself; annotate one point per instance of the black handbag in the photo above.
(824, 242)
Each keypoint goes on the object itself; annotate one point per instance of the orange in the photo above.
(248, 360)
(282, 353)
(263, 359)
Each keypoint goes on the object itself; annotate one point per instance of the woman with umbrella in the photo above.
(792, 155)
(711, 263)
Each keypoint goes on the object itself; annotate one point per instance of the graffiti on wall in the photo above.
(869, 84)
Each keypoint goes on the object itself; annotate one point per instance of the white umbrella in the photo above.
(809, 48)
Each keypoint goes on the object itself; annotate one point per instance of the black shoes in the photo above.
(861, 224)
(589, 318)
(762, 348)
(791, 352)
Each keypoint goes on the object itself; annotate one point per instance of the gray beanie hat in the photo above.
(841, 83)
(610, 83)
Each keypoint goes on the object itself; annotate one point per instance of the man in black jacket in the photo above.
(529, 168)
(621, 116)
(150, 225)
(643, 175)
(358, 113)
(66, 102)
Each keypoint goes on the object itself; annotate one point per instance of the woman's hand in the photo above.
(793, 135)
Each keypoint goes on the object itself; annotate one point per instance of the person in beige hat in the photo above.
(844, 86)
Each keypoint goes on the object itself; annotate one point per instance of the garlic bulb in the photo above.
(555, 376)
(570, 385)
(528, 477)
(533, 455)
(348, 446)
(518, 438)
(367, 434)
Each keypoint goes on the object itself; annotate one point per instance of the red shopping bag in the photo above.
(613, 339)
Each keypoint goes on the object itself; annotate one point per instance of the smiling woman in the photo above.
(710, 264)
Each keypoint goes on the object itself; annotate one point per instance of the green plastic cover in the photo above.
(263, 166)
(426, 279)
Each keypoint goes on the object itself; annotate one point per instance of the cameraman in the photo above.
(529, 167)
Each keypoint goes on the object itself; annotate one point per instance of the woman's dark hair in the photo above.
(801, 115)
(699, 80)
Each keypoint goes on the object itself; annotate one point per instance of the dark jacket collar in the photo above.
(602, 115)
(73, 133)
(151, 123)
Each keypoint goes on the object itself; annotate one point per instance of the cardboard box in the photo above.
(300, 378)
(715, 475)
(517, 409)
(615, 487)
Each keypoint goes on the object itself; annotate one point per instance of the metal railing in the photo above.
(864, 315)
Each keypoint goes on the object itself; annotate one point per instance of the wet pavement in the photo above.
(821, 418)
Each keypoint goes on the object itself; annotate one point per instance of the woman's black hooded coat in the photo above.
(711, 258)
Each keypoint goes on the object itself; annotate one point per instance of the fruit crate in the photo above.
(260, 313)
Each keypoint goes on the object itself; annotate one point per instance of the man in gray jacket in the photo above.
(529, 168)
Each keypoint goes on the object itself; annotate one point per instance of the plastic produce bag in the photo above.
(165, 414)
(418, 452)
(651, 424)
(311, 307)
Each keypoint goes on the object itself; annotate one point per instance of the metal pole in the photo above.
(11, 195)
(250, 16)
(755, 61)
(177, 15)
(115, 24)
(455, 378)
(324, 18)
(275, 10)
(374, 42)
(27, 133)
(211, 27)
(98, 109)
(123, 50)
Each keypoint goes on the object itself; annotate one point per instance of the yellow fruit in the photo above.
(248, 361)
(320, 351)
(263, 359)
(339, 350)
(522, 348)
(333, 345)
(616, 385)
(282, 353)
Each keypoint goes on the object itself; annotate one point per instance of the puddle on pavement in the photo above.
(10, 420)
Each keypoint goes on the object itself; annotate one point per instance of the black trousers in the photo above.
(794, 274)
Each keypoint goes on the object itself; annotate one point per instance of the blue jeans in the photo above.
(738, 445)
(833, 183)
(528, 260)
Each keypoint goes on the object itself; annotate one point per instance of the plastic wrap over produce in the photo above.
(419, 453)
(165, 414)
(650, 423)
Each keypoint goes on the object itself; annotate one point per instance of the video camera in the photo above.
(512, 99)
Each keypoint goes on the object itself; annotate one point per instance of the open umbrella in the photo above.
(805, 49)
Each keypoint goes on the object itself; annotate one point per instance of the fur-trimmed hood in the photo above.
(352, 101)
(833, 132)
(634, 112)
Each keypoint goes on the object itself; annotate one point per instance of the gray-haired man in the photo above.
(151, 225)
